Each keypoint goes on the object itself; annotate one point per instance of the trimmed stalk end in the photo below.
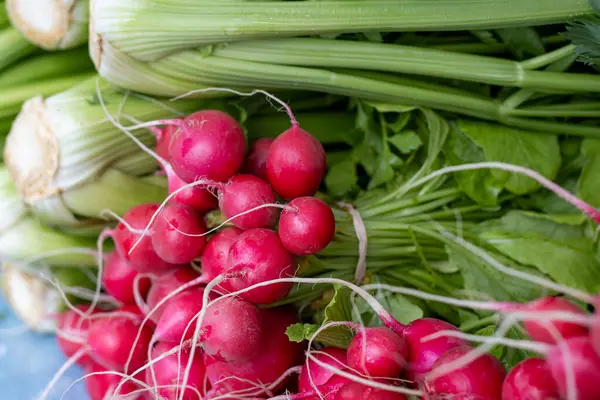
(31, 152)
(50, 24)
(31, 299)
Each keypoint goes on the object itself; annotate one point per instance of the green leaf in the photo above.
(342, 178)
(498, 350)
(507, 355)
(389, 107)
(406, 142)
(589, 181)
(300, 332)
(401, 307)
(384, 172)
(479, 185)
(585, 34)
(522, 42)
(561, 251)
(483, 281)
(536, 151)
(550, 203)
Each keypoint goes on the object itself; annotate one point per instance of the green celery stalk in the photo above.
(13, 47)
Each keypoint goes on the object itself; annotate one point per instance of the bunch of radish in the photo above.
(153, 271)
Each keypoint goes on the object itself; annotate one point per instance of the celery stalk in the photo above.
(13, 47)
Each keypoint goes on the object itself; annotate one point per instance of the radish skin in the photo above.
(319, 375)
(210, 144)
(100, 385)
(214, 257)
(118, 277)
(177, 314)
(558, 330)
(164, 137)
(197, 197)
(531, 379)
(73, 333)
(307, 226)
(296, 164)
(256, 162)
(377, 352)
(355, 391)
(243, 193)
(164, 285)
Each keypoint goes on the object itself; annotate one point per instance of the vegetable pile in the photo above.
(346, 199)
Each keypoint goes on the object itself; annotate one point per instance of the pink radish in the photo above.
(164, 285)
(163, 140)
(118, 277)
(199, 198)
(575, 357)
(216, 252)
(232, 330)
(377, 352)
(531, 379)
(243, 193)
(307, 229)
(175, 234)
(143, 257)
(210, 144)
(296, 164)
(276, 354)
(169, 372)
(102, 384)
(256, 162)
(355, 391)
(423, 354)
(481, 379)
(258, 256)
(111, 341)
(541, 332)
(595, 334)
(73, 333)
(330, 355)
(177, 314)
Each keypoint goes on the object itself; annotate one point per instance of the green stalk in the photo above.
(3, 16)
(13, 47)
(151, 29)
(60, 64)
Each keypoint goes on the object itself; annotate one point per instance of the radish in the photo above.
(168, 240)
(164, 285)
(143, 258)
(355, 390)
(216, 252)
(481, 379)
(256, 162)
(575, 357)
(330, 355)
(276, 354)
(210, 144)
(169, 372)
(177, 314)
(232, 330)
(296, 164)
(111, 341)
(422, 355)
(102, 384)
(531, 379)
(558, 330)
(199, 198)
(246, 192)
(307, 226)
(258, 256)
(595, 333)
(118, 277)
(72, 333)
(377, 352)
(164, 137)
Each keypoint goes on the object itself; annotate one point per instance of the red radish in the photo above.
(73, 333)
(330, 355)
(355, 390)
(164, 285)
(531, 379)
(111, 340)
(143, 258)
(216, 252)
(575, 357)
(210, 144)
(258, 256)
(296, 164)
(102, 384)
(256, 162)
(276, 354)
(542, 332)
(163, 140)
(197, 197)
(422, 355)
(168, 240)
(177, 315)
(133, 310)
(232, 330)
(377, 352)
(169, 371)
(118, 277)
(595, 334)
(243, 193)
(481, 379)
(309, 228)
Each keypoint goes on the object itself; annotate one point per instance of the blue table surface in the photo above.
(28, 361)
